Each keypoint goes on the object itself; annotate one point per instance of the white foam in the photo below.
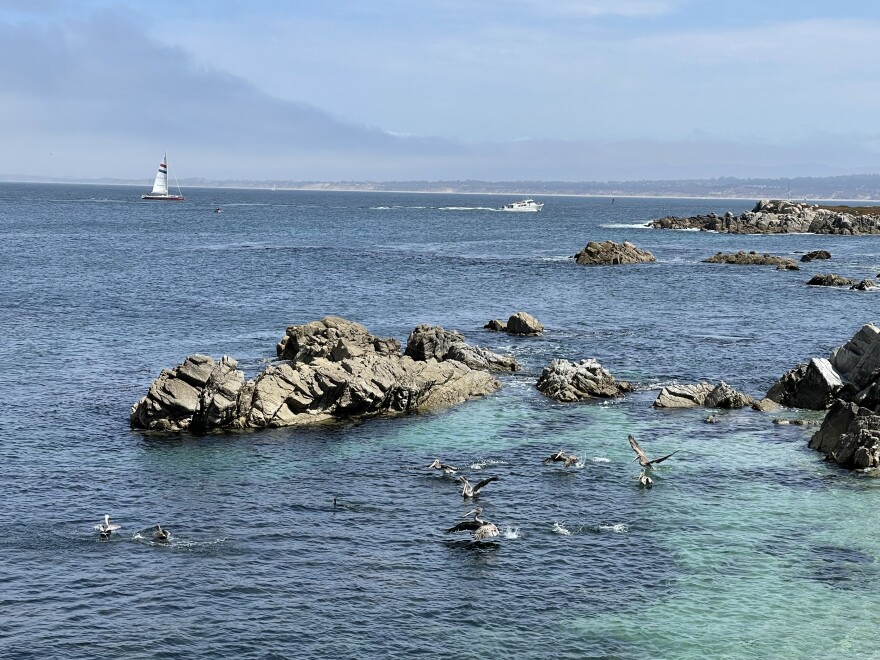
(601, 459)
(559, 528)
(623, 225)
(511, 533)
(619, 528)
(479, 465)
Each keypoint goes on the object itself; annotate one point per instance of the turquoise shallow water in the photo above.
(749, 545)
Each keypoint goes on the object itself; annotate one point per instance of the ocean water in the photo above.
(749, 545)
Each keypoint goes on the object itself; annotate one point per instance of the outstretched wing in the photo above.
(638, 450)
(483, 482)
(465, 526)
(661, 459)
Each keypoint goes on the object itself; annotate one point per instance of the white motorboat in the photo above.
(160, 186)
(526, 205)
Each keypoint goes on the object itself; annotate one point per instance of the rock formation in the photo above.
(848, 384)
(752, 259)
(783, 217)
(568, 381)
(721, 395)
(431, 341)
(522, 323)
(830, 279)
(864, 285)
(816, 254)
(334, 369)
(611, 253)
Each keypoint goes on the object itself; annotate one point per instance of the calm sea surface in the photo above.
(749, 545)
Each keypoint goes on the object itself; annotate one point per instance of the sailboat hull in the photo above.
(163, 198)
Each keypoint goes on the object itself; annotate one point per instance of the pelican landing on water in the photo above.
(482, 529)
(106, 528)
(437, 465)
(642, 457)
(567, 459)
(470, 490)
(161, 535)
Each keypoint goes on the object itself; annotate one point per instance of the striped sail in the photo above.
(160, 187)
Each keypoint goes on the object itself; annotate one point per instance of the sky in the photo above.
(392, 90)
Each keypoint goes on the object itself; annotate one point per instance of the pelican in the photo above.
(106, 528)
(160, 534)
(567, 459)
(437, 465)
(644, 480)
(642, 457)
(468, 490)
(482, 529)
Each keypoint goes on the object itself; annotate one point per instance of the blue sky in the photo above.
(440, 89)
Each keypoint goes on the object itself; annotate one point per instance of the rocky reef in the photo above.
(568, 381)
(609, 253)
(752, 258)
(782, 217)
(848, 385)
(332, 369)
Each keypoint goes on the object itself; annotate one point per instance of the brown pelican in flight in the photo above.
(482, 529)
(642, 457)
(160, 534)
(567, 459)
(470, 490)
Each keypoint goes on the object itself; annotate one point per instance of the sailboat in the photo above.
(160, 186)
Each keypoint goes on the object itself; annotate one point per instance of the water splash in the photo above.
(511, 532)
(619, 528)
(559, 528)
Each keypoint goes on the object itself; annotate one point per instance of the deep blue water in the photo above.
(749, 545)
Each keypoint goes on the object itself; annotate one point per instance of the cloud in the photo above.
(97, 97)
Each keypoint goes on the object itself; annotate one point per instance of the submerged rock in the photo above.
(568, 381)
(336, 370)
(609, 253)
(864, 285)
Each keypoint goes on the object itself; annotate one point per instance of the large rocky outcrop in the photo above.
(336, 369)
(742, 258)
(721, 395)
(851, 374)
(568, 381)
(850, 436)
(848, 384)
(431, 341)
(782, 217)
(608, 253)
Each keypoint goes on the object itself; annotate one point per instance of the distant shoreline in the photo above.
(850, 188)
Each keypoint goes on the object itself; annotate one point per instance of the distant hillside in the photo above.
(854, 187)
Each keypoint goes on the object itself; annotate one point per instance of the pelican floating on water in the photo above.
(642, 457)
(437, 465)
(567, 459)
(160, 534)
(482, 529)
(106, 528)
(470, 490)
